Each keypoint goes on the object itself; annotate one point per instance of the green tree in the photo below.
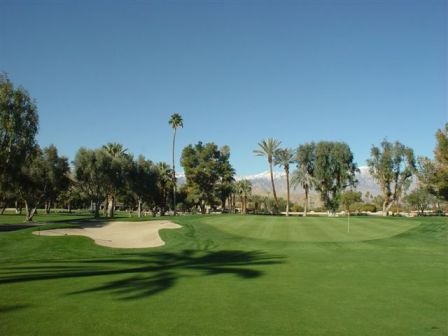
(117, 174)
(267, 148)
(244, 188)
(203, 166)
(284, 157)
(42, 174)
(175, 121)
(420, 199)
(58, 175)
(334, 171)
(91, 168)
(18, 129)
(224, 186)
(392, 166)
(440, 178)
(144, 186)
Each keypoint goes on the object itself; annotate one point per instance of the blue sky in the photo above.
(237, 71)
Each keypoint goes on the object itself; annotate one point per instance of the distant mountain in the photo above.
(261, 184)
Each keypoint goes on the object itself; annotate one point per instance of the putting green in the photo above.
(311, 229)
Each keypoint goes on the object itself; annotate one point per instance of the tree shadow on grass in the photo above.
(139, 275)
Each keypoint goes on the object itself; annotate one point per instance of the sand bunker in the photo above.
(119, 234)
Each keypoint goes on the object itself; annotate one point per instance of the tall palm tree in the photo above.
(303, 178)
(267, 148)
(244, 188)
(175, 122)
(284, 157)
(304, 175)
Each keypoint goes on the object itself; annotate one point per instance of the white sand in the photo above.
(119, 234)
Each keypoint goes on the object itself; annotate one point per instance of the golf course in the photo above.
(229, 275)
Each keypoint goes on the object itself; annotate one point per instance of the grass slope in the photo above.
(231, 275)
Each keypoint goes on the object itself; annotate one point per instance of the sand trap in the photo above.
(119, 234)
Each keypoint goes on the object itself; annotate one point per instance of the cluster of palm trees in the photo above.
(284, 157)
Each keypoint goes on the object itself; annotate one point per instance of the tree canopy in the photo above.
(392, 166)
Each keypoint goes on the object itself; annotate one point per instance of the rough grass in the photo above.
(231, 275)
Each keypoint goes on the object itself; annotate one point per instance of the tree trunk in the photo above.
(69, 207)
(202, 206)
(97, 209)
(2, 211)
(174, 174)
(287, 191)
(30, 212)
(47, 207)
(106, 204)
(306, 202)
(273, 185)
(386, 207)
(139, 208)
(111, 207)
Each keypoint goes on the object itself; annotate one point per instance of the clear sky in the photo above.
(237, 71)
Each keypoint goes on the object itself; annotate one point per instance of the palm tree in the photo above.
(114, 149)
(175, 122)
(302, 177)
(244, 189)
(284, 157)
(267, 148)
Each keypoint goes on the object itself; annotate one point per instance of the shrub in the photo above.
(368, 207)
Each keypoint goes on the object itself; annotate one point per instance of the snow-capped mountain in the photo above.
(261, 183)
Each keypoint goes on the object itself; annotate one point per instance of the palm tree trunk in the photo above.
(273, 185)
(174, 174)
(287, 191)
(306, 202)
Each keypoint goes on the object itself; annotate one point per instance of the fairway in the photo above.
(312, 229)
(231, 275)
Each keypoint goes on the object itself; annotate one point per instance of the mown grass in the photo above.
(231, 275)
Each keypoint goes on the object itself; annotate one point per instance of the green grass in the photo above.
(231, 275)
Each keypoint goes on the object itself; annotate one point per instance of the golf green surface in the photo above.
(231, 275)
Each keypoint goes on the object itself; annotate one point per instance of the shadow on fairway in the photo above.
(138, 275)
(11, 308)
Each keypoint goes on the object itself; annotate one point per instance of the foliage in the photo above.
(392, 166)
(18, 129)
(368, 207)
(420, 199)
(244, 189)
(440, 178)
(143, 183)
(42, 177)
(349, 198)
(334, 171)
(91, 168)
(205, 166)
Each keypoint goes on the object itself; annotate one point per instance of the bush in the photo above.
(297, 208)
(368, 207)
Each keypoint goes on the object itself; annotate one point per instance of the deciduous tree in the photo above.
(392, 166)
(334, 171)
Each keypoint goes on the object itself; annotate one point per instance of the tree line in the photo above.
(103, 178)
